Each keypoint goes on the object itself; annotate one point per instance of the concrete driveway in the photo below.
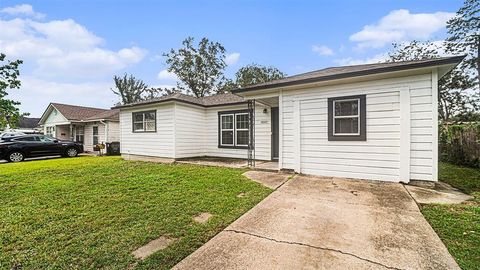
(327, 223)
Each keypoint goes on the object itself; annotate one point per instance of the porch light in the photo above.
(265, 111)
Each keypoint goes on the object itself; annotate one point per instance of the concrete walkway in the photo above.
(327, 223)
(441, 193)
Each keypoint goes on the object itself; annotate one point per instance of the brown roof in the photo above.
(106, 115)
(333, 73)
(81, 113)
(210, 101)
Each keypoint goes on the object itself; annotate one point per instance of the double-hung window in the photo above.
(79, 134)
(95, 135)
(144, 121)
(50, 131)
(347, 118)
(234, 129)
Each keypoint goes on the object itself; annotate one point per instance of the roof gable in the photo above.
(52, 115)
(58, 112)
(73, 112)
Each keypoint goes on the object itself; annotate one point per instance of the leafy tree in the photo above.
(131, 89)
(252, 74)
(198, 67)
(464, 37)
(9, 73)
(454, 99)
(255, 74)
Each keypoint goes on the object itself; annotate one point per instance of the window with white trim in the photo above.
(50, 131)
(144, 121)
(95, 135)
(347, 118)
(241, 129)
(234, 129)
(80, 134)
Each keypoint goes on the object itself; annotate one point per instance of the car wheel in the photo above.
(15, 156)
(71, 152)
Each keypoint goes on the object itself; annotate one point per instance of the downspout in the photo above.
(106, 130)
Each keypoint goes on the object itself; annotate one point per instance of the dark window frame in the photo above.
(144, 131)
(362, 125)
(234, 113)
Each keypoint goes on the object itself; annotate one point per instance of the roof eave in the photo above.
(441, 62)
(176, 100)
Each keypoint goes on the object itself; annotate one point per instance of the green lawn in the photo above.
(92, 212)
(459, 225)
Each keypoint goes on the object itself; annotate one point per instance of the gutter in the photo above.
(177, 100)
(446, 61)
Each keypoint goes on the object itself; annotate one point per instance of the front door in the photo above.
(275, 133)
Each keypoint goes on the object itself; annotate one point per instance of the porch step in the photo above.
(266, 166)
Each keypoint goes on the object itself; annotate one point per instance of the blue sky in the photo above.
(72, 49)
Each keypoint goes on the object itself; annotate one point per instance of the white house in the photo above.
(81, 124)
(375, 121)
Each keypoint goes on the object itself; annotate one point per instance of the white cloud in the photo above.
(23, 9)
(369, 60)
(63, 61)
(35, 94)
(401, 25)
(322, 50)
(232, 58)
(166, 75)
(63, 48)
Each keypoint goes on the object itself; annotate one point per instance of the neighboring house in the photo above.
(27, 125)
(81, 124)
(374, 121)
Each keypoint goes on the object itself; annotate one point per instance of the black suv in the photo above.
(16, 149)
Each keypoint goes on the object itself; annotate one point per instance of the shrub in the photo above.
(460, 144)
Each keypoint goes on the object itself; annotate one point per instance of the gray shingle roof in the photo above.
(28, 122)
(210, 101)
(333, 73)
(325, 74)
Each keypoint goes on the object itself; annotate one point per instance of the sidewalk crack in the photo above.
(311, 246)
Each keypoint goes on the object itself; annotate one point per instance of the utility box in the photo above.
(113, 149)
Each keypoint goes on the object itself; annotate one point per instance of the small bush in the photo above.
(460, 144)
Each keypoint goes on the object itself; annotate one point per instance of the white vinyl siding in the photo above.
(88, 144)
(185, 130)
(62, 132)
(155, 144)
(55, 117)
(189, 131)
(113, 131)
(262, 133)
(421, 131)
(377, 158)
